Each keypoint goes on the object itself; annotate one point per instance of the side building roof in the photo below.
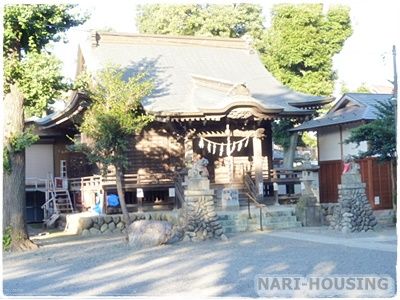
(351, 107)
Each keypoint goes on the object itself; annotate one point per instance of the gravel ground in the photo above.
(105, 266)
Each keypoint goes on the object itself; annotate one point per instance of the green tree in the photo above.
(363, 88)
(381, 137)
(380, 133)
(232, 20)
(298, 49)
(301, 42)
(30, 80)
(114, 115)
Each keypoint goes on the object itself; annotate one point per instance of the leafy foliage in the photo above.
(309, 139)
(363, 88)
(232, 20)
(298, 49)
(17, 143)
(7, 239)
(40, 81)
(27, 30)
(380, 133)
(280, 131)
(31, 27)
(299, 46)
(114, 116)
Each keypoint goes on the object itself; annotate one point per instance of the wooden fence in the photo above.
(375, 174)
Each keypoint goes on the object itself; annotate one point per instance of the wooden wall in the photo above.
(155, 151)
(375, 174)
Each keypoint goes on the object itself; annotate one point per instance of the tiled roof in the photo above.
(352, 107)
(175, 63)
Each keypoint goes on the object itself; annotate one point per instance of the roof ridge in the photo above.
(99, 37)
(355, 93)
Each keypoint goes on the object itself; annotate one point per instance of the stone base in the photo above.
(197, 183)
(200, 221)
(308, 211)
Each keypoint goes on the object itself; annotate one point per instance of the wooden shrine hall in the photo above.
(213, 97)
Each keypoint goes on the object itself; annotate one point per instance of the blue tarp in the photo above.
(112, 200)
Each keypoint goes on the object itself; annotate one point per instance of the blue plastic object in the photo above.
(112, 200)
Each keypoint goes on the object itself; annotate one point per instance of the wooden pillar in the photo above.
(267, 149)
(257, 163)
(267, 152)
(188, 148)
(370, 182)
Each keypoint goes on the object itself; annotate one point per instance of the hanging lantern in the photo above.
(209, 147)
(214, 148)
(233, 148)
(221, 150)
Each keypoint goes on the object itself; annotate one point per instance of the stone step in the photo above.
(266, 221)
(274, 218)
(256, 227)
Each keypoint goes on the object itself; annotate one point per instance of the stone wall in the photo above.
(107, 224)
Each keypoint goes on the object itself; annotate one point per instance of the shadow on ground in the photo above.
(105, 266)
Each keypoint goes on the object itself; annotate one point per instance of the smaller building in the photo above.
(349, 112)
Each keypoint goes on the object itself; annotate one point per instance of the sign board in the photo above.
(276, 187)
(139, 193)
(171, 192)
(377, 200)
(261, 188)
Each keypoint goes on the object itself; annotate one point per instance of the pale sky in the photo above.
(366, 56)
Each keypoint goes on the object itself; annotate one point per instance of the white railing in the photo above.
(85, 183)
(35, 183)
(96, 182)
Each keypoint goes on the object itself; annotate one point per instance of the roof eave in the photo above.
(314, 128)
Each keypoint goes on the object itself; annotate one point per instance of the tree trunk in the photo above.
(288, 155)
(14, 201)
(119, 175)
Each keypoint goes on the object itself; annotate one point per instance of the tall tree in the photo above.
(113, 117)
(232, 20)
(298, 49)
(301, 42)
(29, 84)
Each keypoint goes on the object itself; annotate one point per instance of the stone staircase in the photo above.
(218, 194)
(275, 217)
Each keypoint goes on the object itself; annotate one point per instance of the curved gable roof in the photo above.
(175, 62)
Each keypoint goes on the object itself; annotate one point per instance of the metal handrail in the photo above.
(258, 205)
(250, 185)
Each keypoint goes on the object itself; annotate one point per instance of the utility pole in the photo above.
(395, 86)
